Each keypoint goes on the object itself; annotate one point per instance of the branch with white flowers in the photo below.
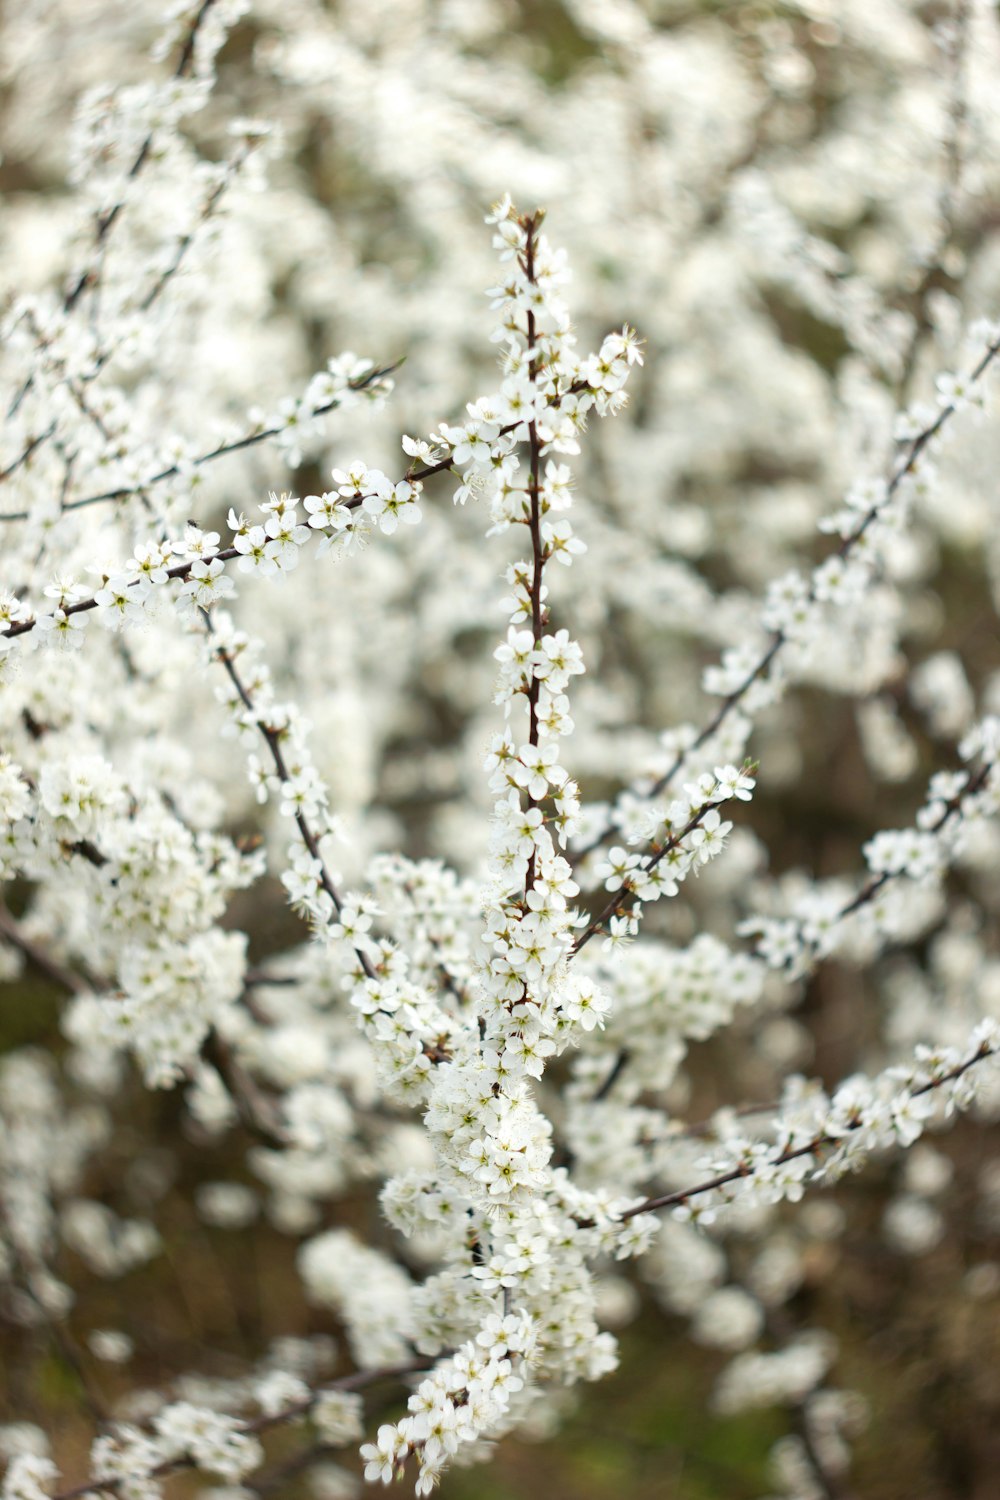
(330, 390)
(820, 1139)
(795, 608)
(468, 1079)
(917, 857)
(184, 1436)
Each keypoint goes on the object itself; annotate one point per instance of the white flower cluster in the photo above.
(371, 1293)
(466, 1398)
(786, 1376)
(137, 888)
(28, 1477)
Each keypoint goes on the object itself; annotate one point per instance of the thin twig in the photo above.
(811, 1148)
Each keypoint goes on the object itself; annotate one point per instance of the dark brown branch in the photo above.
(11, 932)
(538, 558)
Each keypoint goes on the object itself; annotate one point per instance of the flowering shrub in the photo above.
(494, 1028)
